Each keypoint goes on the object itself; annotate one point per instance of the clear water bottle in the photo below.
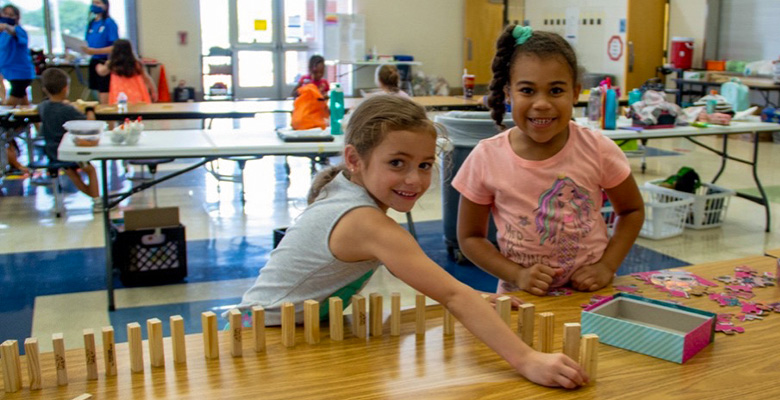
(121, 102)
(594, 108)
(336, 109)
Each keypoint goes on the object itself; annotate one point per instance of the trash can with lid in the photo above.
(465, 129)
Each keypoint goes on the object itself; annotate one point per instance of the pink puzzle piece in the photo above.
(729, 329)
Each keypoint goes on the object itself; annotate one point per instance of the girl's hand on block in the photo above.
(553, 369)
(491, 297)
(592, 277)
(536, 279)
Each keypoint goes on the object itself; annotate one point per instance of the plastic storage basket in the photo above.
(710, 203)
(665, 213)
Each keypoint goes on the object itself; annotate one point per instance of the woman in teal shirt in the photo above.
(102, 32)
(15, 63)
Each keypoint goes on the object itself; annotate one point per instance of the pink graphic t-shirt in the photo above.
(547, 211)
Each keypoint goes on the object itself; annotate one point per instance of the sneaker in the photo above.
(97, 205)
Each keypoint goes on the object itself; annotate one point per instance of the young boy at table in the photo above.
(54, 112)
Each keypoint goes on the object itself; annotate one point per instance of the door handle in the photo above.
(630, 56)
(469, 52)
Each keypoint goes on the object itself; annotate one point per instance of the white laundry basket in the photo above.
(710, 203)
(665, 214)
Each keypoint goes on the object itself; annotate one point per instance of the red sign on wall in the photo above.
(615, 48)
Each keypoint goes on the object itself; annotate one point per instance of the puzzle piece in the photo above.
(593, 300)
(774, 307)
(724, 324)
(559, 292)
(753, 308)
(748, 317)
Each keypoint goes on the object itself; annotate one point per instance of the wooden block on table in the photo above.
(135, 345)
(155, 341)
(449, 322)
(359, 316)
(504, 309)
(178, 346)
(311, 321)
(419, 314)
(525, 323)
(12, 366)
(485, 296)
(90, 354)
(395, 314)
(375, 313)
(208, 321)
(546, 331)
(33, 355)
(288, 324)
(109, 350)
(236, 331)
(58, 343)
(258, 326)
(571, 340)
(589, 355)
(336, 318)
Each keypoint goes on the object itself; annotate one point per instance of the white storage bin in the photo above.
(710, 203)
(665, 214)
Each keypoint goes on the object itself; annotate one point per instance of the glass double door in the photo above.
(272, 41)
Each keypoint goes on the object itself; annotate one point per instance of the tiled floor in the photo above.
(52, 270)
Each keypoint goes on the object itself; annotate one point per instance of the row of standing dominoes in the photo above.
(12, 370)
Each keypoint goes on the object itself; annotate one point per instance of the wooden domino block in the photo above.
(504, 309)
(589, 355)
(109, 350)
(12, 366)
(178, 345)
(208, 321)
(155, 341)
(485, 296)
(419, 314)
(58, 343)
(336, 318)
(449, 322)
(571, 340)
(395, 314)
(236, 331)
(33, 355)
(375, 313)
(311, 321)
(359, 316)
(546, 331)
(90, 354)
(288, 324)
(258, 327)
(135, 345)
(525, 323)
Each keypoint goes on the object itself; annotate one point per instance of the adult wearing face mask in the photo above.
(15, 62)
(102, 32)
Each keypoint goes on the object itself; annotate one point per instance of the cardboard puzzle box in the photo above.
(648, 326)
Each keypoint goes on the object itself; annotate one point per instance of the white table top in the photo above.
(686, 131)
(195, 143)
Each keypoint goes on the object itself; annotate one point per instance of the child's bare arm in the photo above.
(630, 210)
(103, 69)
(367, 233)
(473, 222)
(149, 84)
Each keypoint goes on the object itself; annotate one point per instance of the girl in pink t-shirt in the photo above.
(542, 180)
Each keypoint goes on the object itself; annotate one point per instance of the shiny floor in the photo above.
(52, 269)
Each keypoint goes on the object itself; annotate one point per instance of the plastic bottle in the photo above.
(336, 109)
(468, 84)
(610, 110)
(594, 108)
(121, 102)
(634, 96)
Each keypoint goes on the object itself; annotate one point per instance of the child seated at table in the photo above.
(388, 79)
(316, 76)
(128, 75)
(54, 112)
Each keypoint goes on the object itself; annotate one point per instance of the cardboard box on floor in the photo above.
(151, 218)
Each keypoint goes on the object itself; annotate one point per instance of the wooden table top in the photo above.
(433, 366)
(773, 253)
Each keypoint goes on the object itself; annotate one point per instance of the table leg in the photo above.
(724, 156)
(107, 236)
(764, 198)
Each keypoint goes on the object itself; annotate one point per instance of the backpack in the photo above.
(310, 110)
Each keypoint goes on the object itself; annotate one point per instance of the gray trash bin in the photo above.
(465, 129)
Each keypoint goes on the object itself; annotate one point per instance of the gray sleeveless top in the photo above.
(302, 267)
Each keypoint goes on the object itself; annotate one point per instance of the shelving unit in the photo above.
(217, 70)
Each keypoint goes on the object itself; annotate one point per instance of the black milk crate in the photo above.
(150, 256)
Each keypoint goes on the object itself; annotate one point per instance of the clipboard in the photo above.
(74, 43)
(308, 135)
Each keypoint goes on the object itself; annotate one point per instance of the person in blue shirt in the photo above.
(102, 32)
(15, 62)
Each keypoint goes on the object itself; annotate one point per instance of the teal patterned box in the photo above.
(653, 327)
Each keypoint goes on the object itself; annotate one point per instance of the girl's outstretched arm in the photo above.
(367, 233)
(630, 211)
